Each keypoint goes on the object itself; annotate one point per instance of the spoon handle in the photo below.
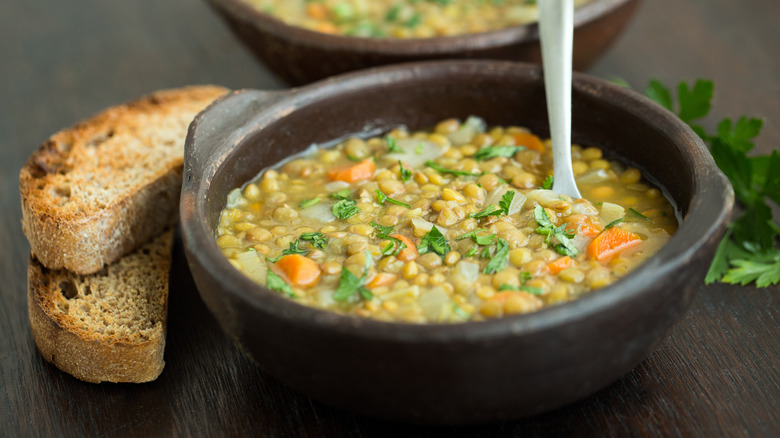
(556, 24)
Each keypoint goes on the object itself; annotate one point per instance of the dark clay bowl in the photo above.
(301, 56)
(449, 373)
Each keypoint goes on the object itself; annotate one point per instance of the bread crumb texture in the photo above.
(107, 326)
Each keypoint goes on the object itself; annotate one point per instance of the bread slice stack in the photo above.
(99, 205)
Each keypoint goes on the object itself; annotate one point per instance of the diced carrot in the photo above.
(582, 224)
(326, 27)
(301, 271)
(410, 252)
(381, 279)
(317, 10)
(529, 140)
(611, 242)
(358, 172)
(501, 297)
(560, 264)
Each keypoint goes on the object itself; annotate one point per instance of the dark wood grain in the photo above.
(717, 374)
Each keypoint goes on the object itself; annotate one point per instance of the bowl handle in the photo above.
(222, 124)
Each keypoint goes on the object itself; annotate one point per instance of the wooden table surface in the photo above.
(717, 374)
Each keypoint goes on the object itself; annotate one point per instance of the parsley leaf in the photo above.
(394, 247)
(506, 201)
(406, 174)
(392, 146)
(345, 209)
(306, 203)
(532, 290)
(382, 198)
(479, 239)
(747, 252)
(441, 169)
(434, 241)
(561, 234)
(498, 262)
(497, 151)
(490, 210)
(548, 182)
(275, 282)
(316, 239)
(505, 286)
(349, 284)
(341, 194)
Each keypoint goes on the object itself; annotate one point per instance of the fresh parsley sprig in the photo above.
(406, 174)
(275, 282)
(350, 284)
(434, 241)
(395, 246)
(381, 198)
(345, 209)
(497, 151)
(440, 169)
(498, 261)
(748, 252)
(561, 234)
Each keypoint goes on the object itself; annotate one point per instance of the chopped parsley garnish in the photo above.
(382, 198)
(497, 151)
(505, 286)
(306, 203)
(548, 182)
(748, 252)
(506, 201)
(419, 149)
(434, 241)
(406, 174)
(479, 239)
(395, 246)
(341, 194)
(460, 312)
(345, 209)
(638, 214)
(275, 282)
(492, 210)
(392, 146)
(498, 262)
(440, 169)
(316, 239)
(613, 223)
(532, 290)
(471, 252)
(349, 284)
(546, 227)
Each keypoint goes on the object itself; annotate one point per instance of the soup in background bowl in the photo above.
(474, 371)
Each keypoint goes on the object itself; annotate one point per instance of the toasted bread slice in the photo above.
(98, 190)
(108, 326)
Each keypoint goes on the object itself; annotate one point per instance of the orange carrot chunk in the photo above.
(611, 242)
(529, 140)
(318, 11)
(410, 252)
(359, 172)
(582, 224)
(301, 271)
(560, 264)
(381, 279)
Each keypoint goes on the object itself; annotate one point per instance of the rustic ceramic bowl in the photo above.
(300, 56)
(455, 373)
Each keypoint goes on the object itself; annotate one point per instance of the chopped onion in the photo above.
(497, 193)
(584, 208)
(422, 224)
(545, 198)
(322, 212)
(471, 127)
(611, 212)
(236, 199)
(435, 304)
(416, 152)
(335, 186)
(252, 266)
(468, 270)
(594, 176)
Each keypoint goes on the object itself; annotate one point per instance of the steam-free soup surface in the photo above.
(402, 18)
(452, 224)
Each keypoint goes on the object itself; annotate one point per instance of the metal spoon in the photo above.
(556, 25)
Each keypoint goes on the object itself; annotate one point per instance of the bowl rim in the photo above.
(442, 45)
(702, 218)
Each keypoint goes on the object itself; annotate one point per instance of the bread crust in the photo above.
(83, 347)
(94, 192)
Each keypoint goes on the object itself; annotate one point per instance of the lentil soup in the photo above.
(453, 224)
(402, 18)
